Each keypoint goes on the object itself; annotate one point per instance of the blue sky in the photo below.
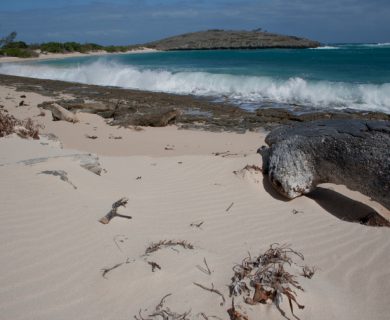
(138, 21)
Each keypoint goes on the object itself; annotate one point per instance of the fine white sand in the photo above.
(49, 56)
(53, 249)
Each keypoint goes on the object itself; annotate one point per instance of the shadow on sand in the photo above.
(338, 205)
(347, 209)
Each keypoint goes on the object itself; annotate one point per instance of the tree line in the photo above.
(11, 48)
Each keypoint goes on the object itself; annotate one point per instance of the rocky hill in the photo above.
(222, 39)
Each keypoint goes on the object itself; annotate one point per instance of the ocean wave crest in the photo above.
(326, 48)
(240, 89)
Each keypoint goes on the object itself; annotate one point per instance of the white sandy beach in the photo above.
(50, 56)
(53, 248)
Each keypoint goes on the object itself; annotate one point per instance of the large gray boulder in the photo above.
(355, 153)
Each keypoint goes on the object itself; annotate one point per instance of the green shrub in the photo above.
(72, 46)
(53, 47)
(91, 47)
(58, 47)
(116, 48)
(20, 53)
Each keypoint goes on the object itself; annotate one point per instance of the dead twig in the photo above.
(91, 137)
(155, 246)
(154, 265)
(228, 208)
(204, 270)
(204, 316)
(107, 270)
(113, 212)
(164, 312)
(212, 289)
(197, 225)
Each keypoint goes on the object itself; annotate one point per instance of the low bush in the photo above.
(17, 52)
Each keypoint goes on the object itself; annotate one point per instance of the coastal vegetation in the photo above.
(20, 49)
(203, 40)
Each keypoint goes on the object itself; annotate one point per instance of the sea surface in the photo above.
(342, 76)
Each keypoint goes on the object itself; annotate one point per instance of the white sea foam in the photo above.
(243, 89)
(377, 45)
(326, 48)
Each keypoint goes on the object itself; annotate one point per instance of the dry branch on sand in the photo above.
(268, 276)
(113, 212)
(155, 246)
(160, 311)
(212, 289)
(105, 271)
(24, 129)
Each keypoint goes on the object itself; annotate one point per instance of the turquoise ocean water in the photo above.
(332, 77)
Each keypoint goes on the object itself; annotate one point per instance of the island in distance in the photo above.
(228, 39)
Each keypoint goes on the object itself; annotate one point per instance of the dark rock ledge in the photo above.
(124, 107)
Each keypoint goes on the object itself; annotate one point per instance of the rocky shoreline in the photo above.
(125, 107)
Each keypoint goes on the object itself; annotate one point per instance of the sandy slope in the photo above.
(52, 247)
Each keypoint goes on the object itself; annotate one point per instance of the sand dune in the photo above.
(53, 249)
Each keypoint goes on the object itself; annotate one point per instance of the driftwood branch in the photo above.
(114, 211)
(212, 289)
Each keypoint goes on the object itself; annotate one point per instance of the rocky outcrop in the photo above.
(157, 118)
(226, 39)
(60, 113)
(355, 153)
(128, 107)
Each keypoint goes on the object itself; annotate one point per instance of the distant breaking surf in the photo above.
(240, 89)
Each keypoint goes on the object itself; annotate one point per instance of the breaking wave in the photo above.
(241, 89)
(326, 48)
